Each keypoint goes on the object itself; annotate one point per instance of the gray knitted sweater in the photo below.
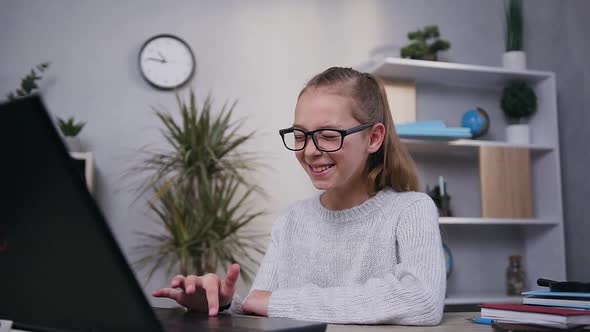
(377, 263)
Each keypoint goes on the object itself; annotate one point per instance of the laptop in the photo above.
(60, 267)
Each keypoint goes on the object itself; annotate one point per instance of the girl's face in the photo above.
(342, 170)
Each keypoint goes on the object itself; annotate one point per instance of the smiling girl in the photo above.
(367, 249)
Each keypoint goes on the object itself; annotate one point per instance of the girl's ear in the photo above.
(376, 137)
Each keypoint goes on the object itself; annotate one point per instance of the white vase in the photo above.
(73, 144)
(518, 134)
(514, 60)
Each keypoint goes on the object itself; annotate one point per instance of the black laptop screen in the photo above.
(60, 266)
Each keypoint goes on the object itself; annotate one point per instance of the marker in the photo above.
(481, 320)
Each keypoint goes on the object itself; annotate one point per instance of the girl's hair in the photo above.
(391, 166)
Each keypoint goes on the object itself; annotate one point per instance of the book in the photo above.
(536, 315)
(557, 302)
(431, 130)
(556, 294)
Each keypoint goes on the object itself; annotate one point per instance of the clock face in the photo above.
(166, 61)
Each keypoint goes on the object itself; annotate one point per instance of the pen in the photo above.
(481, 320)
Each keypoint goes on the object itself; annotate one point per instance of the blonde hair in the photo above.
(391, 166)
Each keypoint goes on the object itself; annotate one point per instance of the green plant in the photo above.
(199, 196)
(70, 128)
(518, 101)
(28, 84)
(422, 47)
(514, 25)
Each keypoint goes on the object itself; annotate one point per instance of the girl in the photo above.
(367, 250)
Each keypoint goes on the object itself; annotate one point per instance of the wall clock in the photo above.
(166, 62)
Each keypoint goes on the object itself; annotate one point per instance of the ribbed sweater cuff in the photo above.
(282, 303)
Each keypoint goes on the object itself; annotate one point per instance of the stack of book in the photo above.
(575, 300)
(558, 310)
(431, 130)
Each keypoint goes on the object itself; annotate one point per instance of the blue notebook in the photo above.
(547, 293)
(431, 130)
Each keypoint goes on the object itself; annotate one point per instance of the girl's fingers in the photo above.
(211, 286)
(177, 282)
(229, 284)
(170, 293)
(191, 283)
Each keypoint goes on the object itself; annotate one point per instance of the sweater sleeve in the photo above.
(411, 294)
(266, 278)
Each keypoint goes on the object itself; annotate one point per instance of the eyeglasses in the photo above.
(324, 139)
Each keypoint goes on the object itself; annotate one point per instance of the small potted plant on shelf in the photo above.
(514, 57)
(426, 44)
(519, 102)
(70, 131)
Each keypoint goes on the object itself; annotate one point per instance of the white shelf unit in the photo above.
(467, 145)
(471, 298)
(496, 221)
(481, 246)
(88, 159)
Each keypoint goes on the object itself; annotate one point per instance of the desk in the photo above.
(452, 321)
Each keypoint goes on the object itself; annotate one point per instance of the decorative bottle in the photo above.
(515, 276)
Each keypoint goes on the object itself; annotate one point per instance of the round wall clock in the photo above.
(166, 62)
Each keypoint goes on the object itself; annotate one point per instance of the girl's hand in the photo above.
(257, 303)
(202, 293)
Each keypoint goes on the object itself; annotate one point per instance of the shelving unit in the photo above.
(466, 147)
(471, 298)
(469, 144)
(496, 221)
(88, 159)
(481, 246)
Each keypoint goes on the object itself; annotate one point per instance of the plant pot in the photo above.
(73, 144)
(514, 60)
(430, 57)
(518, 133)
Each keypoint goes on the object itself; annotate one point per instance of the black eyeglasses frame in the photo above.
(343, 133)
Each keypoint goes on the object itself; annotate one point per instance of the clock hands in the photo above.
(156, 59)
(162, 57)
(160, 60)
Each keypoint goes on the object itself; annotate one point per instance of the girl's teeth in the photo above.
(321, 169)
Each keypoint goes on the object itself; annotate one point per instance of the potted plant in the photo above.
(70, 131)
(519, 102)
(514, 57)
(28, 84)
(426, 44)
(200, 196)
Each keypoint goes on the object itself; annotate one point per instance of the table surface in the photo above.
(452, 321)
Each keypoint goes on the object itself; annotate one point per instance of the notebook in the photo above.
(529, 314)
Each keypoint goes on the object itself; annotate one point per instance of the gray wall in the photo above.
(261, 53)
(556, 35)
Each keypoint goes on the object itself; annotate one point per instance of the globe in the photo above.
(477, 120)
(448, 259)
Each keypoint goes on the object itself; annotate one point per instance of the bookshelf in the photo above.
(475, 297)
(497, 221)
(87, 158)
(481, 246)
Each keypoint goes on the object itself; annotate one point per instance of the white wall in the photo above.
(259, 52)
